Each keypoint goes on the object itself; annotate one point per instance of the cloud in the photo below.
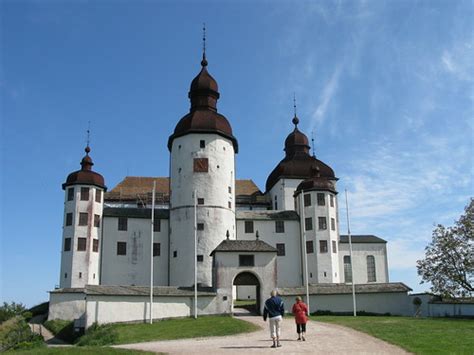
(459, 60)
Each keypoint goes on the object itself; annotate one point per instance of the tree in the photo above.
(449, 258)
(10, 310)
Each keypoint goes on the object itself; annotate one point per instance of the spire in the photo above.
(312, 143)
(295, 119)
(204, 60)
(86, 162)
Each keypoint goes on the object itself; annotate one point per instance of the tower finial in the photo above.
(295, 119)
(88, 149)
(312, 143)
(204, 60)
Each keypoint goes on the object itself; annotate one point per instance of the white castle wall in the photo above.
(134, 267)
(67, 306)
(216, 214)
(79, 268)
(283, 191)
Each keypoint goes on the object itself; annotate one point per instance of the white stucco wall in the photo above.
(66, 306)
(284, 190)
(216, 214)
(134, 267)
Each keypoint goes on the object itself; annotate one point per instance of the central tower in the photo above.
(203, 160)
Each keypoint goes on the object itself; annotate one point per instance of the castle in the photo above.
(206, 228)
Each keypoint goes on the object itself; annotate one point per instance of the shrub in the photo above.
(97, 335)
(10, 310)
(63, 329)
(15, 333)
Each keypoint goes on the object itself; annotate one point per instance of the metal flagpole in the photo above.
(151, 249)
(195, 254)
(350, 255)
(305, 256)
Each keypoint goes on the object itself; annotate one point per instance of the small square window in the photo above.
(96, 220)
(307, 200)
(323, 246)
(202, 143)
(201, 165)
(309, 247)
(333, 224)
(67, 244)
(199, 258)
(322, 224)
(83, 218)
(122, 223)
(157, 225)
(308, 223)
(81, 244)
(200, 201)
(246, 260)
(280, 249)
(175, 254)
(85, 194)
(248, 226)
(156, 249)
(200, 226)
(280, 226)
(331, 200)
(95, 245)
(334, 246)
(68, 219)
(70, 194)
(98, 195)
(321, 199)
(121, 248)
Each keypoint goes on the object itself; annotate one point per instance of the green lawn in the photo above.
(167, 330)
(417, 335)
(91, 350)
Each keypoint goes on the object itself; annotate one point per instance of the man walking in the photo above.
(274, 309)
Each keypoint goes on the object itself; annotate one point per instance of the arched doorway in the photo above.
(247, 293)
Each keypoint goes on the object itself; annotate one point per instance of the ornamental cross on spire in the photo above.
(204, 60)
(295, 119)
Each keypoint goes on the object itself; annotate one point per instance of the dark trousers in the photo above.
(301, 328)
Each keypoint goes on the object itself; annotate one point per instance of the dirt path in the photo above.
(321, 338)
(37, 327)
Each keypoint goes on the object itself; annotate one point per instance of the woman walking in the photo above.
(300, 311)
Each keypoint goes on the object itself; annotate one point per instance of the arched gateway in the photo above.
(248, 288)
(244, 262)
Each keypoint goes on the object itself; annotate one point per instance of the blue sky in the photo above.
(386, 86)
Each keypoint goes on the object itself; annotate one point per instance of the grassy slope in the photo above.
(418, 335)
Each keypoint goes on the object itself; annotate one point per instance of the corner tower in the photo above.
(203, 150)
(83, 205)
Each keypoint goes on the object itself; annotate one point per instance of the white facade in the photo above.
(282, 194)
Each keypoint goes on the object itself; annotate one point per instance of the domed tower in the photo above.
(83, 205)
(203, 160)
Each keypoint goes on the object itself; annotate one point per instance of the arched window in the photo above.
(371, 276)
(347, 269)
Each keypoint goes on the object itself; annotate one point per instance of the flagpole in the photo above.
(350, 253)
(151, 249)
(305, 254)
(195, 254)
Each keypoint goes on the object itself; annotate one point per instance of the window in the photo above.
(331, 200)
(81, 244)
(347, 268)
(246, 260)
(229, 204)
(309, 247)
(202, 143)
(85, 194)
(68, 219)
(122, 223)
(200, 226)
(83, 217)
(322, 223)
(95, 245)
(230, 189)
(334, 246)
(371, 277)
(280, 249)
(307, 200)
(96, 220)
(199, 258)
(70, 194)
(321, 201)
(121, 248)
(200, 201)
(80, 275)
(248, 226)
(201, 165)
(276, 202)
(333, 224)
(280, 226)
(157, 225)
(98, 195)
(308, 223)
(67, 244)
(323, 246)
(175, 254)
(65, 275)
(156, 249)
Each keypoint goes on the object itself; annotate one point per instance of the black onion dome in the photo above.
(85, 176)
(318, 183)
(203, 116)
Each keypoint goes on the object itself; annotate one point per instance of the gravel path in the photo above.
(321, 338)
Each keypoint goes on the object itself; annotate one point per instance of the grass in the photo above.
(63, 329)
(167, 330)
(417, 335)
(242, 303)
(82, 350)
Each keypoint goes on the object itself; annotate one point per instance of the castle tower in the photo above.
(83, 205)
(203, 160)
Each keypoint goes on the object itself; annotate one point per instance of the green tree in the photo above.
(10, 310)
(449, 258)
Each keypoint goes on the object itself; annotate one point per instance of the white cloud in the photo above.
(403, 255)
(459, 60)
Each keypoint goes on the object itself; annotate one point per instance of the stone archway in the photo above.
(246, 278)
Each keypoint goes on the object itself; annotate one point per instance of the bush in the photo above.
(10, 310)
(98, 335)
(63, 329)
(15, 333)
